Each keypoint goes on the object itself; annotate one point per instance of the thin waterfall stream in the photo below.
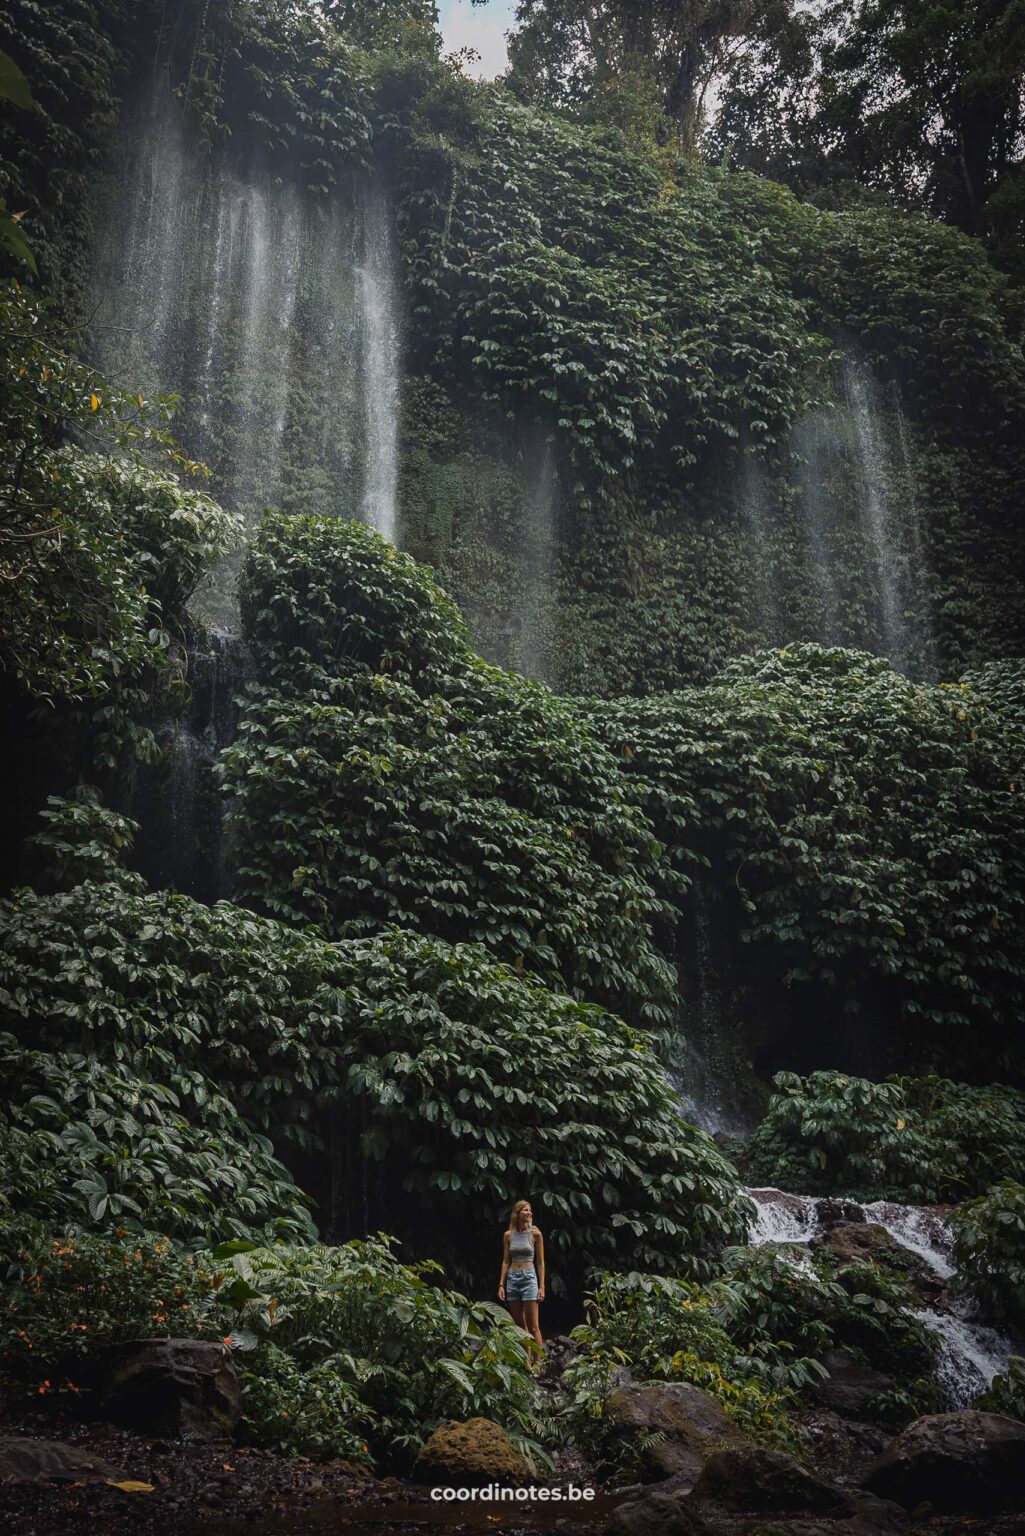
(274, 315)
(970, 1353)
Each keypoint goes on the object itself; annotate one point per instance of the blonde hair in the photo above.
(521, 1205)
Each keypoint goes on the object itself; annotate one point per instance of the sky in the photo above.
(478, 26)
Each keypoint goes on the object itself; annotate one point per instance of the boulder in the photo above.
(743, 1486)
(850, 1387)
(470, 1454)
(832, 1210)
(23, 1460)
(954, 1461)
(672, 1425)
(858, 1242)
(665, 1510)
(172, 1387)
(753, 1478)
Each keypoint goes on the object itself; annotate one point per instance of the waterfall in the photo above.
(537, 566)
(378, 334)
(707, 1073)
(812, 445)
(916, 539)
(859, 516)
(876, 508)
(178, 802)
(271, 313)
(970, 1354)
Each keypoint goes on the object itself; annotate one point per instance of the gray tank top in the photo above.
(521, 1244)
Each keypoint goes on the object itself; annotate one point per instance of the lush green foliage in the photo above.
(915, 1139)
(98, 553)
(70, 54)
(86, 1141)
(754, 1338)
(665, 1330)
(550, 267)
(302, 1410)
(868, 835)
(444, 1084)
(1006, 1391)
(341, 1351)
(63, 1297)
(82, 840)
(384, 774)
(989, 1250)
(412, 1353)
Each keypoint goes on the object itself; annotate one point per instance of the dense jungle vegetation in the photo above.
(752, 770)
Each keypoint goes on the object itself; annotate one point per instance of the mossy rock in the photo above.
(470, 1454)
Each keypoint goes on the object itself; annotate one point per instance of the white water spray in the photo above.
(274, 316)
(970, 1354)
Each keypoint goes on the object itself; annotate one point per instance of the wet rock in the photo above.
(830, 1212)
(666, 1510)
(470, 1455)
(673, 1426)
(954, 1461)
(24, 1460)
(750, 1479)
(859, 1242)
(850, 1387)
(747, 1482)
(172, 1387)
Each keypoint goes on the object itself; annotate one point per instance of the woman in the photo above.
(522, 1281)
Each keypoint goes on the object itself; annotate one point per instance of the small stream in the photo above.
(970, 1353)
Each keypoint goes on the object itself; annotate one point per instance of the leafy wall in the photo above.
(679, 340)
(855, 840)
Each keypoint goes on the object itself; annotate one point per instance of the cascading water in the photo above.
(178, 801)
(533, 654)
(706, 1074)
(272, 314)
(970, 1354)
(876, 507)
(379, 346)
(859, 518)
(812, 447)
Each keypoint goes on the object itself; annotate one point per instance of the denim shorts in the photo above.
(521, 1285)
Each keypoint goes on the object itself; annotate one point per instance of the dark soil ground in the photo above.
(203, 1488)
(224, 1489)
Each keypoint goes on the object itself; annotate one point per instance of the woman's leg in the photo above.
(530, 1322)
(516, 1308)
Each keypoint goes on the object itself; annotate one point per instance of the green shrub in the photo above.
(84, 1141)
(302, 1410)
(64, 1296)
(447, 1085)
(665, 1330)
(384, 774)
(83, 841)
(99, 553)
(913, 1139)
(867, 834)
(415, 1354)
(1006, 1392)
(989, 1251)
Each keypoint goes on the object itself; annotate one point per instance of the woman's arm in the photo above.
(539, 1264)
(505, 1267)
